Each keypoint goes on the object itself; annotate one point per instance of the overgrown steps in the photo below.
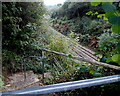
(76, 48)
(18, 81)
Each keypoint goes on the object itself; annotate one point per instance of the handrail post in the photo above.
(43, 66)
(24, 68)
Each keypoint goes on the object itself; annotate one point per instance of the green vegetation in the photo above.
(1, 81)
(22, 28)
(113, 16)
(100, 23)
(90, 26)
(84, 23)
(107, 43)
(26, 29)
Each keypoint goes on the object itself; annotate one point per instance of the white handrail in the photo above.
(64, 86)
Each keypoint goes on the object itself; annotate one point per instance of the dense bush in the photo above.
(86, 31)
(84, 28)
(72, 17)
(21, 24)
(58, 45)
(107, 43)
(75, 9)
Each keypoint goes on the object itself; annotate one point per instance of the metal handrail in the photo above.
(63, 86)
(84, 59)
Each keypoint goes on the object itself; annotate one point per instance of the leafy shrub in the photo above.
(84, 39)
(93, 24)
(58, 45)
(78, 22)
(11, 61)
(59, 64)
(38, 64)
(107, 43)
(75, 9)
(22, 30)
(21, 24)
(85, 22)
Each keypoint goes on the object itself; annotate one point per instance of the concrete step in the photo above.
(18, 81)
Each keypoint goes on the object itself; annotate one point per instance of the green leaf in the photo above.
(99, 68)
(108, 60)
(89, 13)
(108, 7)
(97, 74)
(96, 12)
(110, 1)
(115, 20)
(83, 69)
(104, 18)
(95, 3)
(116, 58)
(116, 28)
(97, 53)
(92, 71)
(70, 56)
(100, 15)
(118, 47)
(108, 14)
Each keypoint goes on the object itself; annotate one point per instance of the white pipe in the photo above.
(65, 86)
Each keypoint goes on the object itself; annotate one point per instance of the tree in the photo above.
(21, 23)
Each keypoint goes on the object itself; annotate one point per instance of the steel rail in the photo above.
(42, 90)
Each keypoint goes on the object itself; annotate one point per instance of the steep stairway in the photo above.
(17, 81)
(75, 48)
